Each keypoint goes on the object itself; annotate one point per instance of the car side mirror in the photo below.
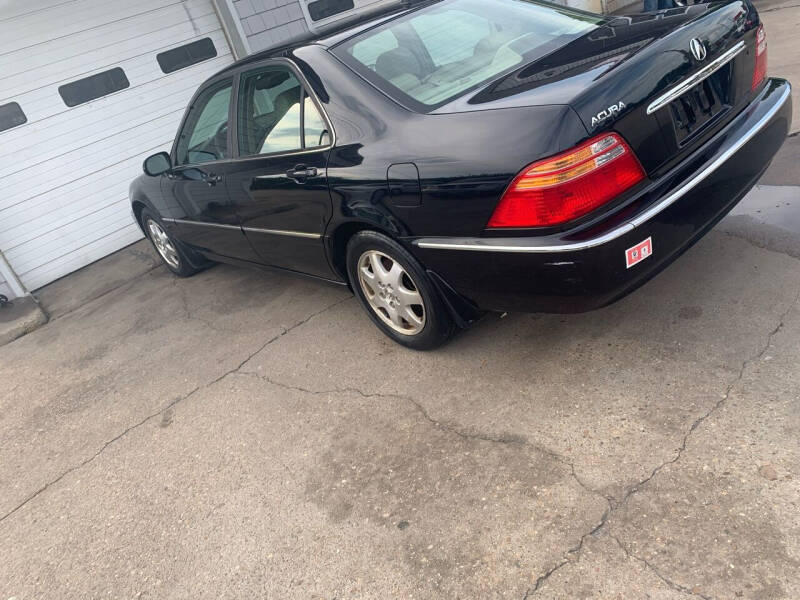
(157, 164)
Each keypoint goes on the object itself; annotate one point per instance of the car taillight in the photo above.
(562, 188)
(760, 70)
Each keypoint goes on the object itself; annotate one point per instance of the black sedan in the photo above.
(461, 156)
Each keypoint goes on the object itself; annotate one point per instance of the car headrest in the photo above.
(396, 62)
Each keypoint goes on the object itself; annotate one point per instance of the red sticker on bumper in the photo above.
(639, 252)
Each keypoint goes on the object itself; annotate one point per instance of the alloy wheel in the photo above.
(391, 292)
(163, 244)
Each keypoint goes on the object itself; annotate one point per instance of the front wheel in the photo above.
(396, 292)
(168, 249)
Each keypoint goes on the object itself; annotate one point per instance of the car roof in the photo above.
(330, 37)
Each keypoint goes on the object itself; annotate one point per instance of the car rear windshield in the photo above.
(432, 55)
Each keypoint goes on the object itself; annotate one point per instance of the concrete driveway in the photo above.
(243, 434)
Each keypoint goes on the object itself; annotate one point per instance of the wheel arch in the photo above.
(137, 206)
(462, 310)
(337, 243)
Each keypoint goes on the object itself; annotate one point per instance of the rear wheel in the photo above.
(170, 251)
(396, 292)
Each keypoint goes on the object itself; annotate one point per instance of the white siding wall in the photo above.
(66, 172)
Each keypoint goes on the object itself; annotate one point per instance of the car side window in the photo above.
(204, 137)
(273, 108)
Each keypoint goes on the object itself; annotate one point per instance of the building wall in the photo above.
(270, 22)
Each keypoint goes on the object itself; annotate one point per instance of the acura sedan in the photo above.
(461, 156)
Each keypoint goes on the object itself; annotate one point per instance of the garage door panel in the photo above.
(75, 259)
(100, 40)
(42, 71)
(66, 172)
(14, 10)
(85, 161)
(96, 188)
(63, 214)
(73, 138)
(79, 233)
(148, 98)
(45, 102)
(75, 152)
(40, 177)
(73, 19)
(41, 110)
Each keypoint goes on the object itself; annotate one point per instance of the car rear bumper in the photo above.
(575, 271)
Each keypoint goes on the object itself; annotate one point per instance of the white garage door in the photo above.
(88, 89)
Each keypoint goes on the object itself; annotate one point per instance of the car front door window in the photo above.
(204, 137)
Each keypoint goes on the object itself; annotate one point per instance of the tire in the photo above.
(396, 292)
(172, 253)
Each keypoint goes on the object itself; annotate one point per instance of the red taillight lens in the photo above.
(569, 185)
(760, 70)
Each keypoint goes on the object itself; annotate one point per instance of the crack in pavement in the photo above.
(469, 435)
(441, 425)
(167, 407)
(675, 586)
(679, 452)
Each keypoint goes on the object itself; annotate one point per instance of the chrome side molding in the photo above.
(201, 223)
(286, 232)
(693, 80)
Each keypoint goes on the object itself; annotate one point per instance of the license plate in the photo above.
(701, 105)
(636, 254)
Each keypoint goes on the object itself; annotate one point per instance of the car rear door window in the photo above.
(432, 55)
(204, 136)
(276, 114)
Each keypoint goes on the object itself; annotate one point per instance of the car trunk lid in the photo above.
(638, 76)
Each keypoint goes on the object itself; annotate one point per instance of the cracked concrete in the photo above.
(672, 461)
(248, 434)
(169, 407)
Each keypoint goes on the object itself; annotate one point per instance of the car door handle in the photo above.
(212, 179)
(301, 173)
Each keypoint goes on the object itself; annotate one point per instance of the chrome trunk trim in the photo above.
(693, 80)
